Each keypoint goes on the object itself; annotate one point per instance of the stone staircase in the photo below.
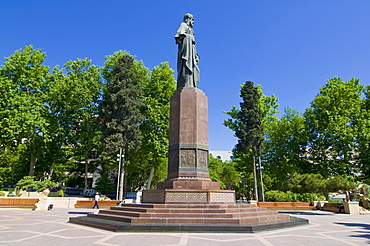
(187, 217)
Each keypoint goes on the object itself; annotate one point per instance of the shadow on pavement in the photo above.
(80, 212)
(364, 234)
(304, 213)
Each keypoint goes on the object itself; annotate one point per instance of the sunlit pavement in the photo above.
(26, 227)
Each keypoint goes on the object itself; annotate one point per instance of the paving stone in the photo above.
(51, 228)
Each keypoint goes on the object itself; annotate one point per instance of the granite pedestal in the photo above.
(188, 177)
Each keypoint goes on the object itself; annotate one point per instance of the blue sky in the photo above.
(290, 47)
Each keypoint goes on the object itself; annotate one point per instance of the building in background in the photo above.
(223, 155)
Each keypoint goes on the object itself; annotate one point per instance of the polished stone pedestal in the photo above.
(188, 177)
(177, 196)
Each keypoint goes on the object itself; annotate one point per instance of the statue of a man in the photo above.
(187, 59)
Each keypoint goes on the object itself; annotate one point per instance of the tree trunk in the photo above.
(255, 178)
(51, 171)
(32, 164)
(125, 184)
(86, 171)
(149, 183)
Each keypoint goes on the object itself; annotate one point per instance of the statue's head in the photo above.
(189, 19)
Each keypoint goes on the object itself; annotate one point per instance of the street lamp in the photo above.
(261, 180)
(120, 175)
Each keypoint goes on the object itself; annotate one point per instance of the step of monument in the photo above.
(121, 213)
(223, 228)
(157, 214)
(190, 210)
(215, 206)
(207, 221)
(110, 217)
(139, 205)
(201, 219)
(98, 223)
(189, 206)
(265, 218)
(206, 215)
(130, 208)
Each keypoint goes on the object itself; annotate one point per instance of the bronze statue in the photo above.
(187, 59)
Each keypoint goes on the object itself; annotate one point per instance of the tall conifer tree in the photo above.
(250, 126)
(120, 108)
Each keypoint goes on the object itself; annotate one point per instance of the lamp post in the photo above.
(262, 189)
(120, 175)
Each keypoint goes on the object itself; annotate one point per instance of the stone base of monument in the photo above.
(188, 191)
(171, 196)
(188, 217)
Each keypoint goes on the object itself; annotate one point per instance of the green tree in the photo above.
(121, 105)
(282, 153)
(28, 182)
(307, 183)
(23, 112)
(339, 184)
(268, 108)
(315, 183)
(249, 127)
(157, 90)
(364, 138)
(104, 184)
(335, 123)
(224, 172)
(12, 166)
(73, 109)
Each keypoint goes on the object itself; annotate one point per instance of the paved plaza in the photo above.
(26, 227)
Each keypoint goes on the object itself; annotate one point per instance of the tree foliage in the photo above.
(282, 152)
(121, 104)
(29, 182)
(224, 172)
(120, 109)
(23, 114)
(335, 122)
(151, 158)
(256, 110)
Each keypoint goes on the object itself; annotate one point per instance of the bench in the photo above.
(286, 205)
(18, 202)
(332, 206)
(90, 204)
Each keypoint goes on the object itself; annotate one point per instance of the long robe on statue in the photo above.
(187, 68)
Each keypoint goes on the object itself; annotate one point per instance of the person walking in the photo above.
(97, 198)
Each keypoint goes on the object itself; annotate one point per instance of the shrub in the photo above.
(276, 196)
(61, 193)
(281, 196)
(28, 182)
(2, 193)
